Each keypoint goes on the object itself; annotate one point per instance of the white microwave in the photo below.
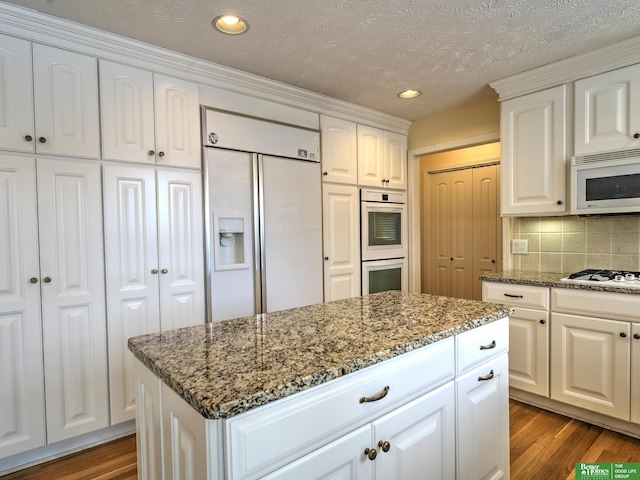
(606, 183)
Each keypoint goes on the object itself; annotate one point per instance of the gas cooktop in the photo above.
(605, 278)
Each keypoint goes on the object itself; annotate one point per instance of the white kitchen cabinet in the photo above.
(149, 419)
(22, 422)
(51, 99)
(339, 150)
(607, 111)
(482, 423)
(635, 372)
(149, 118)
(528, 334)
(59, 302)
(341, 241)
(382, 158)
(154, 262)
(533, 135)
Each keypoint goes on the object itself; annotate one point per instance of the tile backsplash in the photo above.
(569, 244)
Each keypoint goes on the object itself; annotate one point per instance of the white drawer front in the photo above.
(478, 345)
(262, 440)
(619, 306)
(516, 295)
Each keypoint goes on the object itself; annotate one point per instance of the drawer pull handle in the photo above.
(376, 397)
(488, 347)
(486, 377)
(513, 296)
(385, 446)
(371, 453)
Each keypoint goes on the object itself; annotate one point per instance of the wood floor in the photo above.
(544, 446)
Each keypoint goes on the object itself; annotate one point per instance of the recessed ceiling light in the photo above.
(410, 94)
(230, 24)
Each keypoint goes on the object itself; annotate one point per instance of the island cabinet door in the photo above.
(342, 459)
(482, 429)
(418, 439)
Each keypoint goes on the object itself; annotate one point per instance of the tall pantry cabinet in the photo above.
(67, 303)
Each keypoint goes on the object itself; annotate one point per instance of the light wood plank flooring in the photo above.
(544, 446)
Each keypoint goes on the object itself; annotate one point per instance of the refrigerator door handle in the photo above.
(259, 241)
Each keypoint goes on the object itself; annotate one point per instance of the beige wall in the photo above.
(463, 122)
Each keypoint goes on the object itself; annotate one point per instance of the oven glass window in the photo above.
(613, 188)
(384, 228)
(383, 280)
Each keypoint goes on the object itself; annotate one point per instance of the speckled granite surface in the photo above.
(549, 279)
(226, 368)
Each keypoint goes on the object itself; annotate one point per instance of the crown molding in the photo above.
(45, 29)
(621, 54)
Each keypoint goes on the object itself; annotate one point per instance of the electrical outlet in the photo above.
(520, 247)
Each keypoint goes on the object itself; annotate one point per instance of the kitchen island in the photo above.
(315, 389)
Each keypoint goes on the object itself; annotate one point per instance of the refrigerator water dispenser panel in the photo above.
(230, 245)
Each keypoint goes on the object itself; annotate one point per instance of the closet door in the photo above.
(73, 307)
(131, 250)
(21, 376)
(181, 255)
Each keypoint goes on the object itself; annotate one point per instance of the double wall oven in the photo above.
(383, 218)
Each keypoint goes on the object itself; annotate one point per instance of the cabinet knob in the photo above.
(151, 153)
(451, 259)
(493, 261)
(371, 453)
(623, 335)
(28, 138)
(46, 279)
(33, 280)
(154, 271)
(636, 336)
(326, 258)
(161, 154)
(559, 202)
(636, 135)
(542, 322)
(325, 173)
(385, 446)
(164, 270)
(42, 140)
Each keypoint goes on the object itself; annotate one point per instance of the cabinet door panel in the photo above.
(21, 375)
(529, 351)
(483, 422)
(70, 220)
(421, 438)
(396, 160)
(177, 122)
(126, 106)
(370, 156)
(591, 363)
(16, 94)
(635, 372)
(148, 423)
(343, 459)
(339, 150)
(181, 249)
(66, 102)
(341, 247)
(131, 258)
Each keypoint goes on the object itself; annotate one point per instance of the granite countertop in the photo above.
(550, 279)
(226, 368)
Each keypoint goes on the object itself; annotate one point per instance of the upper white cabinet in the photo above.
(52, 109)
(154, 262)
(339, 150)
(382, 158)
(533, 133)
(607, 111)
(148, 118)
(341, 245)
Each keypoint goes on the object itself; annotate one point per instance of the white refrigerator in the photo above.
(264, 227)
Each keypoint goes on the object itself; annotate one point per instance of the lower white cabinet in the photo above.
(635, 372)
(411, 432)
(483, 422)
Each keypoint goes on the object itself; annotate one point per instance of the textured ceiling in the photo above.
(366, 51)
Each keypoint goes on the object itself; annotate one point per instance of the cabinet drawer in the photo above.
(516, 295)
(619, 306)
(262, 440)
(478, 345)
